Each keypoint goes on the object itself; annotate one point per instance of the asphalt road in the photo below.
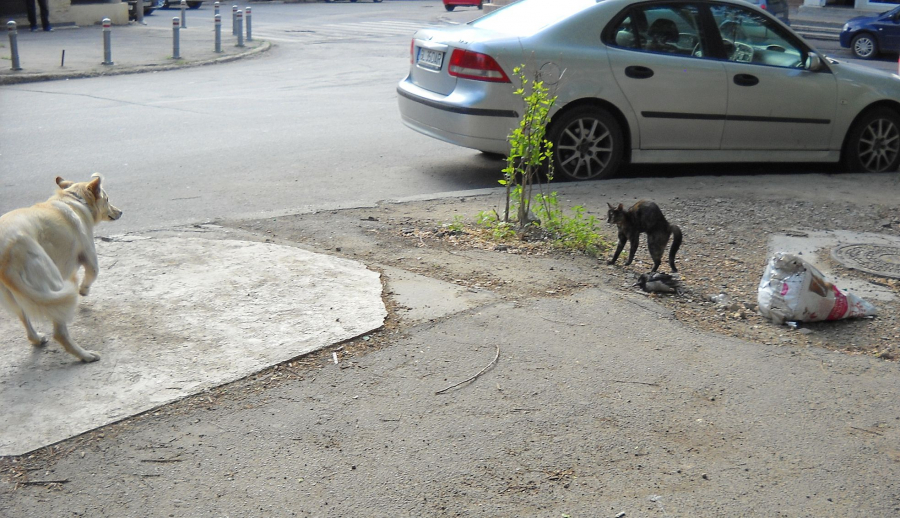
(312, 123)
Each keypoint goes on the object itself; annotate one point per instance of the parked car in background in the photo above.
(453, 4)
(868, 36)
(175, 4)
(684, 81)
(777, 8)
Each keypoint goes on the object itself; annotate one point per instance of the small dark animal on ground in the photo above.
(660, 283)
(644, 217)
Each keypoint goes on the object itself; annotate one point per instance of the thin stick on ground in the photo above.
(473, 378)
(44, 482)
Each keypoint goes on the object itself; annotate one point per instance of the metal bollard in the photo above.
(249, 30)
(234, 20)
(218, 18)
(139, 12)
(183, 14)
(13, 44)
(240, 29)
(176, 45)
(216, 7)
(107, 42)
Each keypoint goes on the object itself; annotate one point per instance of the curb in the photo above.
(53, 76)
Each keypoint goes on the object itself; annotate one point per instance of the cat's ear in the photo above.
(610, 205)
(620, 207)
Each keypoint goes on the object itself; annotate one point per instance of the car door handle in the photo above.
(638, 72)
(745, 80)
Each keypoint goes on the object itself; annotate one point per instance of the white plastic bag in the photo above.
(793, 290)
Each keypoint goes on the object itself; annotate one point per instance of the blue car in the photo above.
(867, 36)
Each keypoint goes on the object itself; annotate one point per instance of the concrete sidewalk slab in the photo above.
(76, 52)
(423, 298)
(172, 317)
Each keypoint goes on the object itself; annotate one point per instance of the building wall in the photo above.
(875, 6)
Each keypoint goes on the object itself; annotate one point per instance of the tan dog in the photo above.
(41, 249)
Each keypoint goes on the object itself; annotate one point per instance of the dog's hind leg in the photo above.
(34, 337)
(61, 334)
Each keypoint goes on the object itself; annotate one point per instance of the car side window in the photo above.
(750, 37)
(669, 29)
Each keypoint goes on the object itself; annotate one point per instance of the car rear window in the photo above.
(526, 17)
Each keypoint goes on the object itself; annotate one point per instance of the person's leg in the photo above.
(32, 16)
(45, 14)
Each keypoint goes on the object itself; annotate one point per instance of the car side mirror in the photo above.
(813, 62)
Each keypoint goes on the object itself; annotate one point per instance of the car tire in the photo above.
(587, 144)
(449, 7)
(864, 46)
(481, 5)
(873, 143)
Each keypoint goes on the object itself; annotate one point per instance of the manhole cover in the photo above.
(883, 260)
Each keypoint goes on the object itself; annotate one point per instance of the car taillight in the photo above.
(412, 52)
(474, 65)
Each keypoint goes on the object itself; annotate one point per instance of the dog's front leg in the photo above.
(89, 260)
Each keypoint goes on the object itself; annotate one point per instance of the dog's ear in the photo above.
(63, 184)
(94, 186)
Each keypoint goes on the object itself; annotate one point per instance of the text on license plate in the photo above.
(430, 59)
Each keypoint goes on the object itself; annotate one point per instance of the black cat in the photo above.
(644, 216)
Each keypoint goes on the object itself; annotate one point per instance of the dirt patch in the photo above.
(725, 251)
(599, 400)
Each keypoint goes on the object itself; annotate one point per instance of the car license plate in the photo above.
(432, 59)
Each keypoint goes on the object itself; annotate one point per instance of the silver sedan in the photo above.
(680, 81)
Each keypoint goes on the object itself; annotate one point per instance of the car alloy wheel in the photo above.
(874, 142)
(864, 46)
(587, 144)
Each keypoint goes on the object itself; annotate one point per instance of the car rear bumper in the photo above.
(461, 123)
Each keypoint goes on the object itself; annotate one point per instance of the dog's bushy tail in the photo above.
(676, 244)
(35, 284)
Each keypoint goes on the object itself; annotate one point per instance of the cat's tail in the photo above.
(676, 244)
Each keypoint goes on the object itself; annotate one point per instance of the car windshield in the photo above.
(526, 17)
